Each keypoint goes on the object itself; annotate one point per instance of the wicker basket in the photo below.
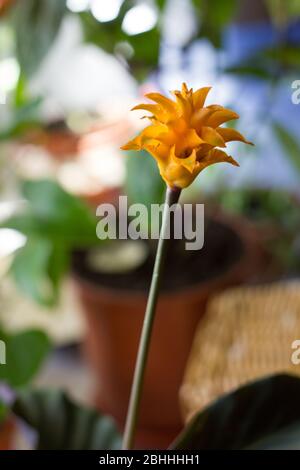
(246, 333)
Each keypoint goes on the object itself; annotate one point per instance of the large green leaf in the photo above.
(36, 24)
(63, 215)
(25, 353)
(266, 411)
(289, 144)
(63, 425)
(54, 214)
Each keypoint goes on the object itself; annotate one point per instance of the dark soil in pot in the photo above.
(222, 248)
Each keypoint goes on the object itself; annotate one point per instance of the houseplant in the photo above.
(184, 138)
(112, 307)
(107, 295)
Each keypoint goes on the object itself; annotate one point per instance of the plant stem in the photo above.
(172, 196)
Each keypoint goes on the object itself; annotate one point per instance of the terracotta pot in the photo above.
(63, 144)
(65, 156)
(7, 430)
(114, 320)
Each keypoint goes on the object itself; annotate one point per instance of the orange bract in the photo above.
(184, 136)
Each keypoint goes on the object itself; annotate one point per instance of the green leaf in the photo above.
(258, 412)
(55, 223)
(36, 24)
(25, 353)
(57, 214)
(25, 223)
(24, 117)
(37, 269)
(63, 425)
(289, 144)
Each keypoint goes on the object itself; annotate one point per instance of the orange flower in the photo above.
(184, 136)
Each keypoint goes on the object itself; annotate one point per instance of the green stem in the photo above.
(172, 196)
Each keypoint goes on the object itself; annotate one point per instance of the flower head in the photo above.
(184, 136)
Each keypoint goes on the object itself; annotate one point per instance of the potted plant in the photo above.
(114, 303)
(60, 228)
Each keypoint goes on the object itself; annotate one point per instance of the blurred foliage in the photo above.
(281, 11)
(38, 269)
(55, 223)
(63, 425)
(262, 205)
(36, 24)
(110, 36)
(212, 17)
(3, 412)
(24, 113)
(289, 144)
(24, 117)
(278, 212)
(51, 219)
(254, 416)
(25, 353)
(269, 64)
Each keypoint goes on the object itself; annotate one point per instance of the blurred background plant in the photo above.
(69, 72)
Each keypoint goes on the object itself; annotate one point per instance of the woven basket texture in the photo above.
(246, 333)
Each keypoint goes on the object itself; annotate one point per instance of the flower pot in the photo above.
(87, 164)
(114, 310)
